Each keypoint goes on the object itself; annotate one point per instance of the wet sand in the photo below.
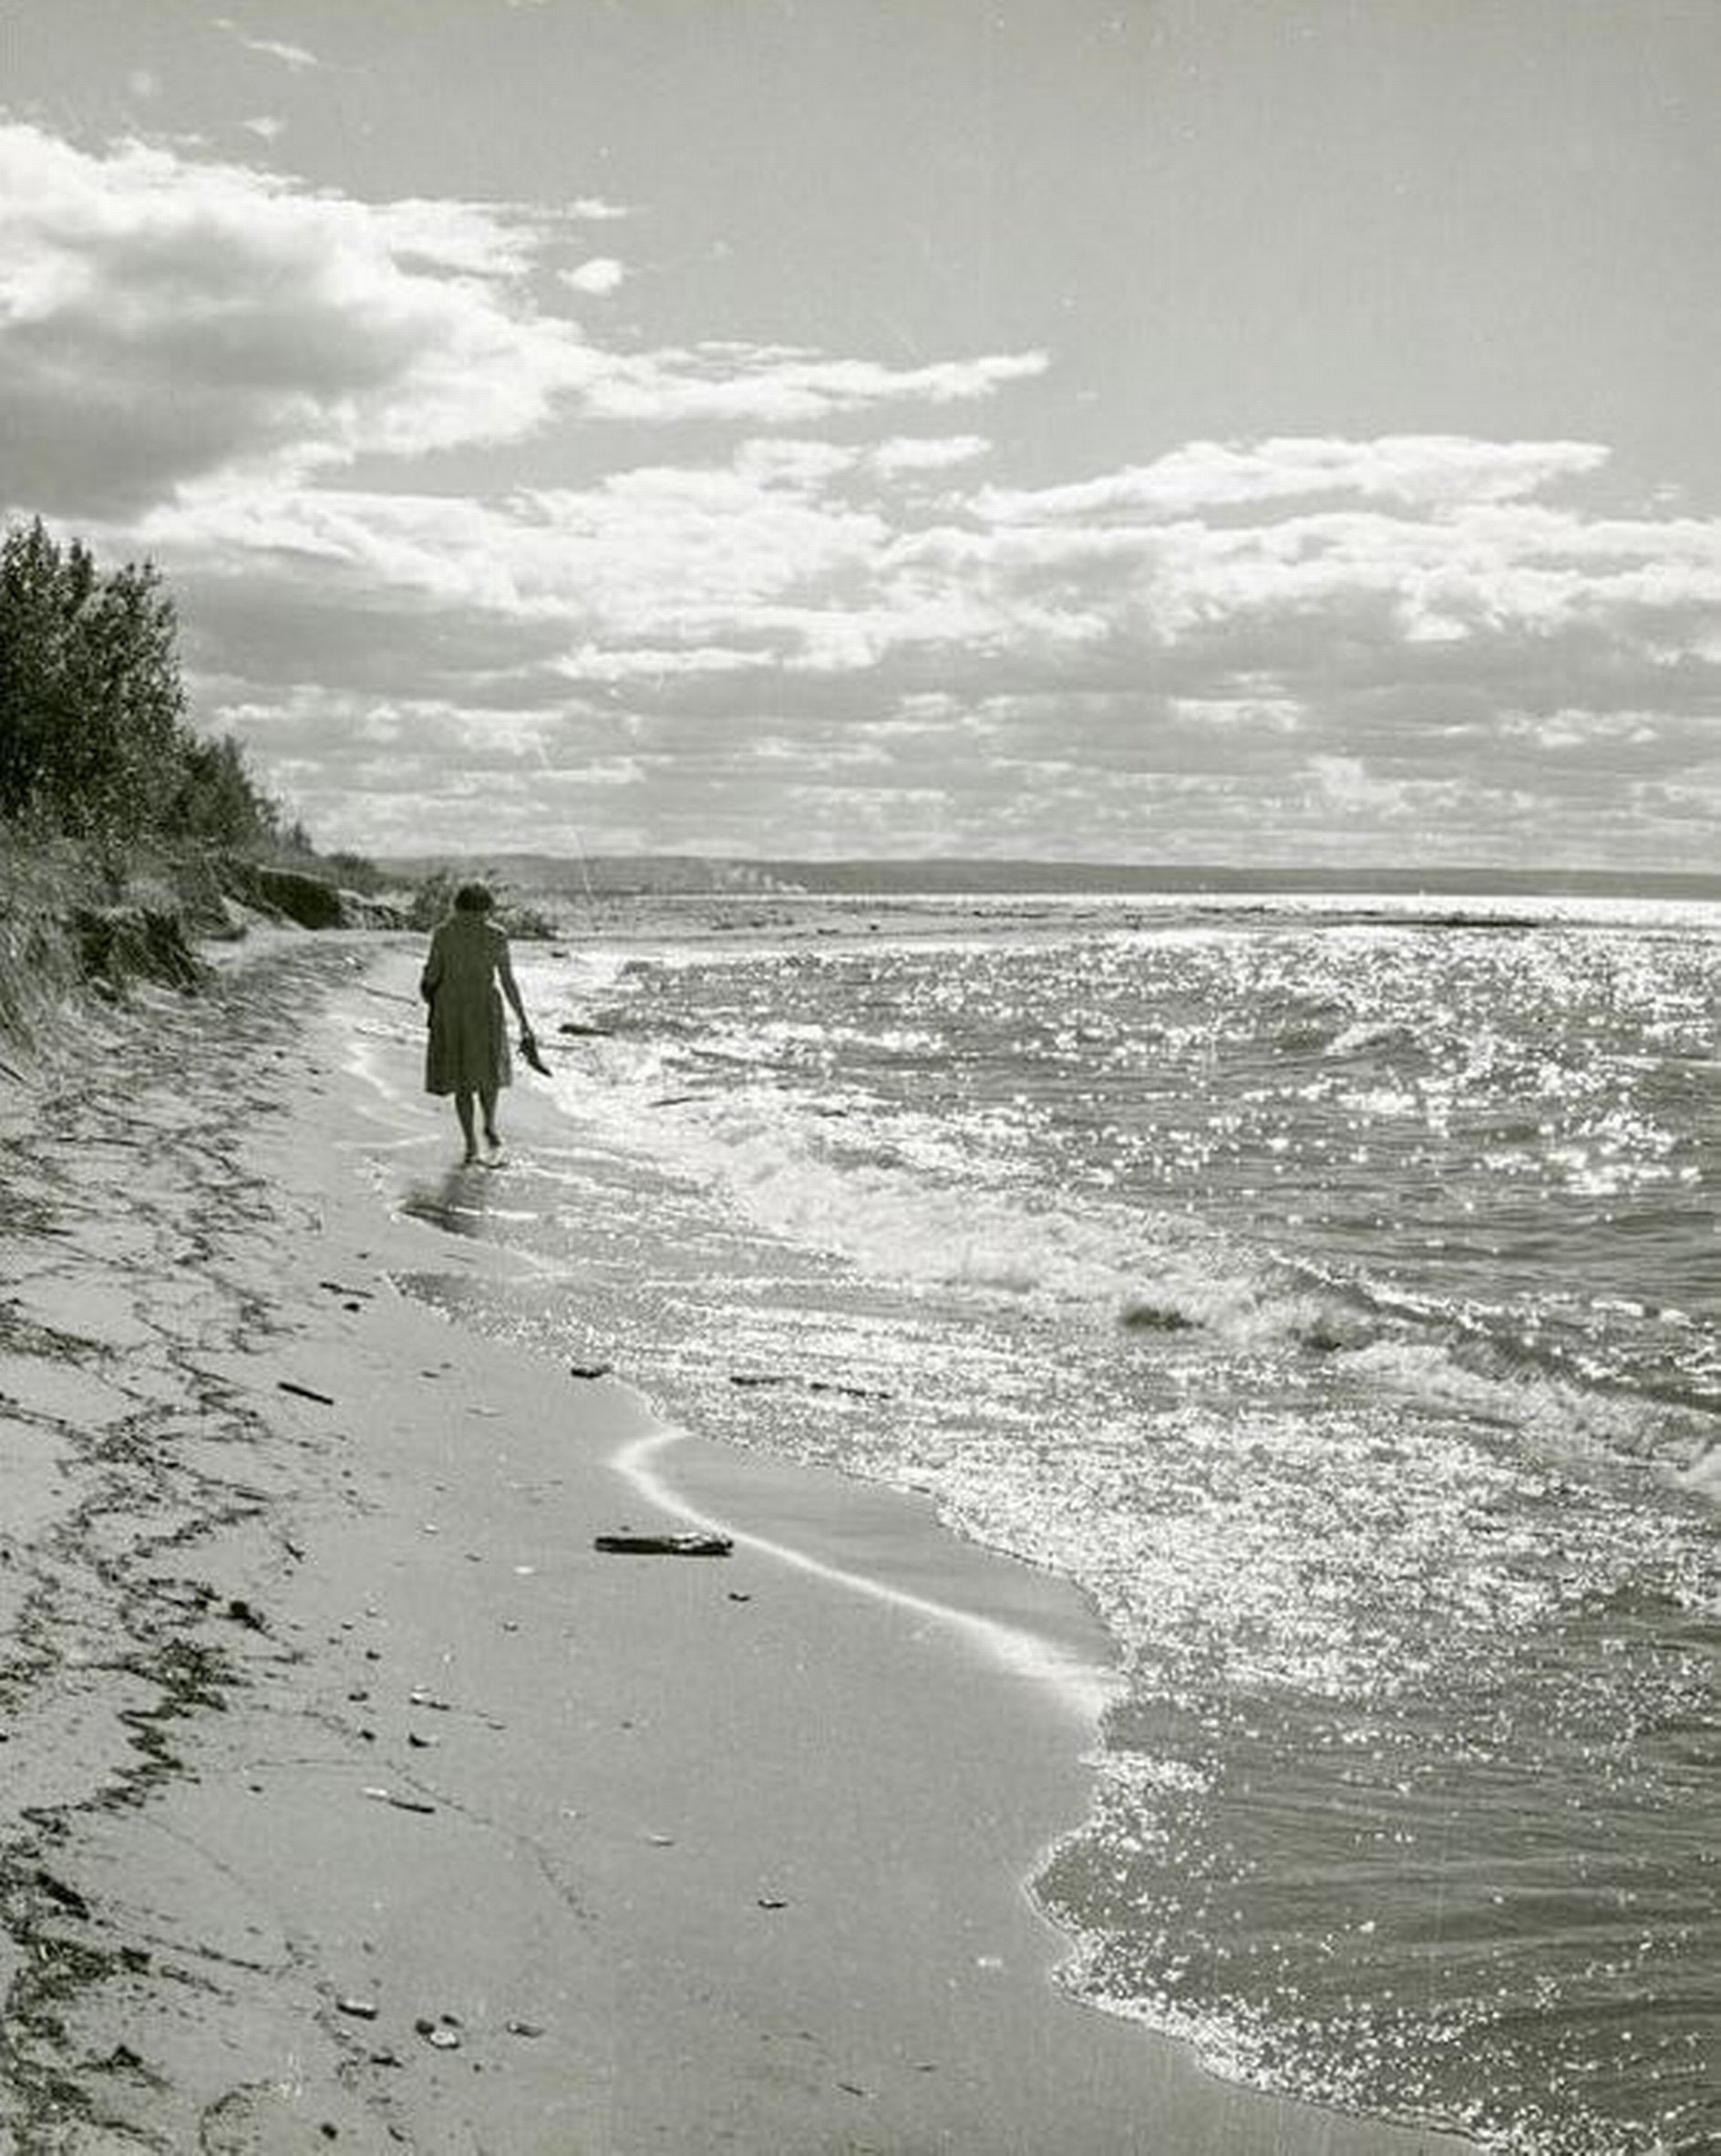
(351, 1797)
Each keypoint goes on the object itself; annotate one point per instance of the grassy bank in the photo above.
(127, 834)
(78, 920)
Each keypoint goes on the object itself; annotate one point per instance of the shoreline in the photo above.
(663, 1854)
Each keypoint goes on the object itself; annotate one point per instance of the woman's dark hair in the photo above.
(472, 898)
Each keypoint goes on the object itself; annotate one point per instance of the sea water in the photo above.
(1333, 1294)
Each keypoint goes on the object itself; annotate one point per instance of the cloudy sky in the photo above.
(1282, 431)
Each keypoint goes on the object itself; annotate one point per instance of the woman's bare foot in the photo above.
(493, 1139)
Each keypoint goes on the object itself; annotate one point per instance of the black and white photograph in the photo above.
(860, 1102)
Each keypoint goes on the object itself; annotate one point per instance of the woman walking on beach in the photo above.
(466, 975)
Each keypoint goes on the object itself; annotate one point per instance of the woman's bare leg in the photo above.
(463, 1109)
(487, 1100)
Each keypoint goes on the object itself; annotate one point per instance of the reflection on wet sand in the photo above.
(454, 1200)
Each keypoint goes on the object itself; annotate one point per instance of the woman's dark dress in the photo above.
(468, 1048)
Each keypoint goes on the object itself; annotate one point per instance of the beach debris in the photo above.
(417, 1697)
(123, 2060)
(339, 1287)
(736, 1595)
(589, 1370)
(244, 1613)
(64, 1897)
(304, 1392)
(525, 2029)
(400, 1804)
(772, 1901)
(661, 1841)
(385, 2057)
(420, 1744)
(853, 2088)
(360, 2009)
(665, 1545)
(444, 2034)
(832, 1387)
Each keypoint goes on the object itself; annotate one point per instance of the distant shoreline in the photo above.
(666, 875)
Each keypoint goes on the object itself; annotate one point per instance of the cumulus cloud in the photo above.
(808, 596)
(927, 452)
(787, 385)
(637, 575)
(597, 278)
(764, 654)
(1476, 571)
(1424, 471)
(1314, 655)
(161, 317)
(164, 318)
(654, 662)
(791, 461)
(1348, 784)
(492, 240)
(296, 57)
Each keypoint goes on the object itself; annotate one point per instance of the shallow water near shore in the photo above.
(1335, 1298)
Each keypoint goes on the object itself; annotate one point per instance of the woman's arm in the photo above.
(430, 978)
(510, 988)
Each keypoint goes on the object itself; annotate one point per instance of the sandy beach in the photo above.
(352, 1796)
